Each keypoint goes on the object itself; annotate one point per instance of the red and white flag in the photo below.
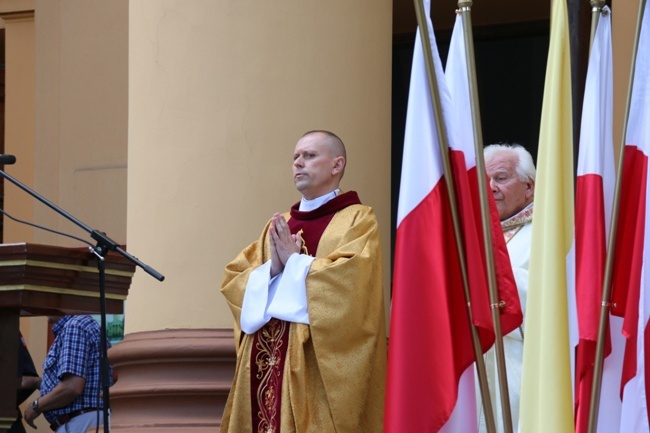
(463, 162)
(631, 279)
(430, 341)
(594, 194)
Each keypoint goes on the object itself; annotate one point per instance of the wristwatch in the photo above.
(35, 406)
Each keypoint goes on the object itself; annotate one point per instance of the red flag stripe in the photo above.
(628, 257)
(423, 373)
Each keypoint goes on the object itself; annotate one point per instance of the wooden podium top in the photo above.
(47, 280)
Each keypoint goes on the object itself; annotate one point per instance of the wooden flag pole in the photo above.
(607, 280)
(451, 191)
(465, 9)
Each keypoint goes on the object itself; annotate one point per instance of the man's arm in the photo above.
(63, 394)
(30, 383)
(29, 380)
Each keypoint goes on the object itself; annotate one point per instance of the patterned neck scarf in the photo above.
(512, 225)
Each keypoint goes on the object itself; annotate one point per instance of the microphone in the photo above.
(7, 159)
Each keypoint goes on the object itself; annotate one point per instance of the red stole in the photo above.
(270, 343)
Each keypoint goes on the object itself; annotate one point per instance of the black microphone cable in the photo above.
(2, 211)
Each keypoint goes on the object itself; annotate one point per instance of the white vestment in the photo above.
(513, 343)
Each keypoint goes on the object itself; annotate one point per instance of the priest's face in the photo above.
(511, 194)
(316, 168)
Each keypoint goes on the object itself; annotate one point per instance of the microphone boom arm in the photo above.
(103, 241)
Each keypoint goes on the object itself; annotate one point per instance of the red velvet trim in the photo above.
(313, 223)
(267, 365)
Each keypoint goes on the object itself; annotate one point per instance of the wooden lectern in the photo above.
(43, 280)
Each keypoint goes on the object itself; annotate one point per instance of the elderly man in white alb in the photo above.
(511, 174)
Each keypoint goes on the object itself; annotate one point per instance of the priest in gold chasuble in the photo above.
(308, 305)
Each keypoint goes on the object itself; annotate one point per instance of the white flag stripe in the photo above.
(421, 147)
(609, 413)
(464, 416)
(421, 144)
(597, 105)
(458, 83)
(599, 97)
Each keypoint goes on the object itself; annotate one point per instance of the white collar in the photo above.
(309, 205)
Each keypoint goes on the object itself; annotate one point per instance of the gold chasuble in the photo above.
(327, 376)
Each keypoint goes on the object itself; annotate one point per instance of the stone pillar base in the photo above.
(172, 380)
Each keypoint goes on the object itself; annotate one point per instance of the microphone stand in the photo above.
(104, 245)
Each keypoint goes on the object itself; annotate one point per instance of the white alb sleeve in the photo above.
(253, 309)
(288, 301)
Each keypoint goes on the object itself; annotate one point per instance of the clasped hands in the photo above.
(283, 243)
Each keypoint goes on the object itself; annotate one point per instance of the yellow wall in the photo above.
(67, 117)
(19, 121)
(66, 122)
(81, 112)
(624, 19)
(219, 93)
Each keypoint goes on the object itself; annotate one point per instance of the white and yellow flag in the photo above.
(546, 394)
